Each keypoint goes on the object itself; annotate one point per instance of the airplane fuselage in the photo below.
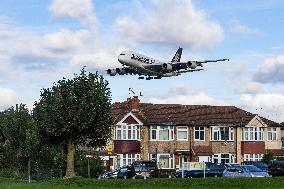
(131, 58)
(138, 61)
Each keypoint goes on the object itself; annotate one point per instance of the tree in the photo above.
(75, 111)
(267, 157)
(18, 131)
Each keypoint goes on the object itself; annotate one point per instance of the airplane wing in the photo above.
(176, 66)
(184, 71)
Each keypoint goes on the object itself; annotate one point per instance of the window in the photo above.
(182, 133)
(253, 134)
(253, 157)
(127, 132)
(199, 133)
(162, 132)
(165, 161)
(271, 134)
(127, 159)
(223, 158)
(222, 133)
(153, 157)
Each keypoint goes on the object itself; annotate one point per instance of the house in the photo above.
(174, 133)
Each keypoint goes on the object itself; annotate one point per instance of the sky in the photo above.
(43, 41)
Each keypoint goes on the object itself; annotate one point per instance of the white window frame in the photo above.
(252, 133)
(272, 134)
(219, 158)
(127, 159)
(159, 129)
(253, 157)
(199, 130)
(182, 129)
(170, 161)
(127, 132)
(216, 130)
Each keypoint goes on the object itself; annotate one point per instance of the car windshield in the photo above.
(260, 164)
(234, 169)
(252, 168)
(124, 170)
(216, 166)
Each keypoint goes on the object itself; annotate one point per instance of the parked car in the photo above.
(244, 171)
(138, 169)
(148, 168)
(262, 166)
(276, 168)
(234, 165)
(212, 170)
(126, 172)
(108, 175)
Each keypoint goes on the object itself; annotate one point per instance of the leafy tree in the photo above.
(75, 111)
(19, 134)
(267, 157)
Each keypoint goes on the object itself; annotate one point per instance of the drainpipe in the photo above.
(190, 143)
(236, 151)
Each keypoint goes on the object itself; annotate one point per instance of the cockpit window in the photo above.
(122, 54)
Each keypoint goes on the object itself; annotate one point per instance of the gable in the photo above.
(129, 119)
(256, 122)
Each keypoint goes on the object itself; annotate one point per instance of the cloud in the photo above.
(251, 88)
(269, 105)
(8, 98)
(271, 71)
(182, 94)
(101, 59)
(170, 22)
(81, 10)
(240, 28)
(65, 40)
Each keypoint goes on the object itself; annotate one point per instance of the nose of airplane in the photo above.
(121, 57)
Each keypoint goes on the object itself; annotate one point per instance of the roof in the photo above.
(191, 115)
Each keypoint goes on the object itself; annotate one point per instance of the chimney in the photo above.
(135, 103)
(132, 104)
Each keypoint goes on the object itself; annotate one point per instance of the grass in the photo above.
(244, 183)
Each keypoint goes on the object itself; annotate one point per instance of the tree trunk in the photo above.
(70, 160)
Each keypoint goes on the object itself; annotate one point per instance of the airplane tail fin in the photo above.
(177, 56)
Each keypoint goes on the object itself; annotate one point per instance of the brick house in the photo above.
(174, 133)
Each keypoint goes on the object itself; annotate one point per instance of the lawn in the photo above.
(244, 183)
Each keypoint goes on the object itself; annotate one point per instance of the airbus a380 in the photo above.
(149, 68)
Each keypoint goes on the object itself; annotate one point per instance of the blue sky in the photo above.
(43, 41)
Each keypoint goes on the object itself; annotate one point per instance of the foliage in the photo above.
(18, 139)
(75, 111)
(267, 157)
(81, 164)
(19, 143)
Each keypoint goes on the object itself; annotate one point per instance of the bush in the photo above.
(9, 172)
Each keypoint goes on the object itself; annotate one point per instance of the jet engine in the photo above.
(167, 67)
(191, 65)
(111, 72)
(120, 71)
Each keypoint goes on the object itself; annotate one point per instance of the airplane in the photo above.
(150, 68)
